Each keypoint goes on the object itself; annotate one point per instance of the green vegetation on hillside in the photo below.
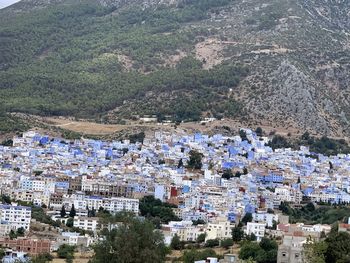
(157, 211)
(335, 248)
(324, 145)
(263, 252)
(69, 59)
(309, 214)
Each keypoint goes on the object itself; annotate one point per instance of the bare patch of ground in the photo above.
(209, 51)
(84, 127)
(126, 61)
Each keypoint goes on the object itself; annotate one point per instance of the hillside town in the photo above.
(58, 192)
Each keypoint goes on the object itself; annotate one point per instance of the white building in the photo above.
(15, 216)
(86, 223)
(258, 229)
(264, 217)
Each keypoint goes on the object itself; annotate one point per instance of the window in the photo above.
(284, 254)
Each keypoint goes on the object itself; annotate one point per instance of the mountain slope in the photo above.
(283, 62)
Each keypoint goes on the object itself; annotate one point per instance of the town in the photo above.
(198, 190)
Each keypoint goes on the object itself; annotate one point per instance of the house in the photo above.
(86, 223)
(258, 229)
(15, 216)
(31, 246)
(290, 251)
(220, 229)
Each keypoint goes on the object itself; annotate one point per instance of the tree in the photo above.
(201, 238)
(314, 252)
(263, 252)
(176, 243)
(259, 131)
(198, 222)
(212, 243)
(20, 232)
(70, 222)
(248, 217)
(92, 212)
(268, 244)
(2, 253)
(226, 243)
(251, 237)
(63, 211)
(243, 135)
(195, 161)
(227, 174)
(42, 258)
(338, 249)
(134, 240)
(237, 234)
(5, 199)
(151, 207)
(180, 164)
(66, 251)
(249, 250)
(12, 234)
(72, 211)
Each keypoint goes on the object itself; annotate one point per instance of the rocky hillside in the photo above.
(277, 62)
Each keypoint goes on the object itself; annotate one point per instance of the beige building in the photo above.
(219, 230)
(290, 251)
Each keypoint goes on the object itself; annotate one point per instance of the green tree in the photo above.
(12, 234)
(63, 211)
(201, 238)
(243, 135)
(237, 234)
(2, 253)
(70, 222)
(212, 243)
(314, 252)
(180, 164)
(72, 211)
(176, 242)
(134, 240)
(248, 217)
(338, 249)
(151, 208)
(5, 199)
(195, 161)
(66, 251)
(226, 243)
(20, 232)
(259, 131)
(249, 250)
(227, 174)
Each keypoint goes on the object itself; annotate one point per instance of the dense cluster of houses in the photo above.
(91, 175)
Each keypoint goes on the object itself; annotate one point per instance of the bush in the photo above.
(212, 243)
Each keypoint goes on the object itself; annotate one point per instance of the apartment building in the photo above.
(15, 216)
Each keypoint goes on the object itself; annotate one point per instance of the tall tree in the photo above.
(134, 241)
(63, 211)
(195, 161)
(72, 211)
(176, 242)
(237, 234)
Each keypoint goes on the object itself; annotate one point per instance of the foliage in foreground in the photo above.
(133, 241)
(334, 249)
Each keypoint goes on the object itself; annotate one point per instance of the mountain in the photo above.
(280, 62)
